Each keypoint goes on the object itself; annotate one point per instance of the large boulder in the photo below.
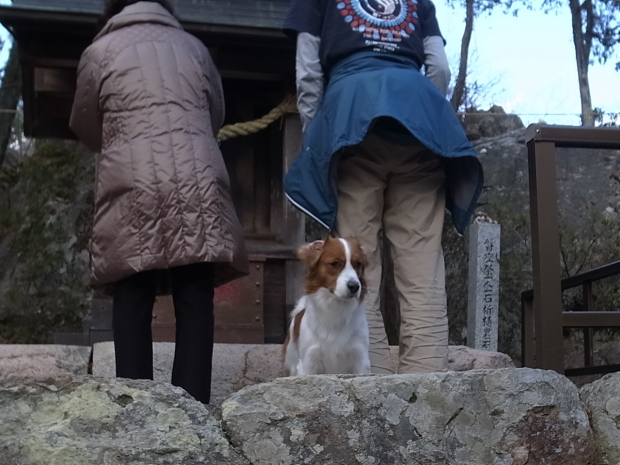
(43, 243)
(509, 416)
(499, 417)
(491, 123)
(84, 420)
(462, 358)
(602, 401)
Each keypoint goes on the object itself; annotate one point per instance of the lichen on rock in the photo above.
(500, 417)
(84, 420)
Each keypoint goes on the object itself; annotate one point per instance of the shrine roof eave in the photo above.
(40, 21)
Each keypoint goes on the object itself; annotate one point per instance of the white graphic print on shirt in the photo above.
(382, 23)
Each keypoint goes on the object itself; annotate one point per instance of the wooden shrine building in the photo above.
(257, 64)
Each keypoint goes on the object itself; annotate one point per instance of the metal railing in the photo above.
(543, 318)
(586, 319)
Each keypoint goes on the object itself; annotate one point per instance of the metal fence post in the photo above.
(546, 256)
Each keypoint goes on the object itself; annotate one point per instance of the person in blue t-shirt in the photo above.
(383, 151)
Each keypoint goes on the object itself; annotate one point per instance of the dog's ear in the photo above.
(310, 253)
(364, 257)
(360, 253)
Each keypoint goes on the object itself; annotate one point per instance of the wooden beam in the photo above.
(28, 97)
(251, 76)
(294, 220)
(546, 256)
(47, 62)
(53, 106)
(574, 136)
(55, 80)
(591, 319)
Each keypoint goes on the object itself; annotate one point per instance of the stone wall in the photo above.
(501, 417)
(53, 413)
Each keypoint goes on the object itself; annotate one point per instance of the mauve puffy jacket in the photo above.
(150, 100)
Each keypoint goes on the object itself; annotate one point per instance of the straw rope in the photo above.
(288, 105)
(229, 131)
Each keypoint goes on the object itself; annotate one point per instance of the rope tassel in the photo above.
(229, 131)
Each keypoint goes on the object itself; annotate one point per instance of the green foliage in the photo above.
(591, 241)
(44, 285)
(455, 249)
(515, 271)
(582, 248)
(515, 275)
(5, 221)
(605, 118)
(588, 248)
(599, 25)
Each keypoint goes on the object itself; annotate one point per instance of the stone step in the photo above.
(234, 365)
(239, 365)
(45, 360)
(96, 328)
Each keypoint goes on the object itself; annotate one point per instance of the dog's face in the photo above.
(337, 265)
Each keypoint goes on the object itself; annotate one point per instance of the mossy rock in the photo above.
(45, 222)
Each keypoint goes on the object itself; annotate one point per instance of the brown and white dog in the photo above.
(328, 332)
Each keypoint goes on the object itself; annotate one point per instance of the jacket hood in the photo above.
(141, 12)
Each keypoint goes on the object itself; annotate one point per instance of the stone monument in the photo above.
(483, 291)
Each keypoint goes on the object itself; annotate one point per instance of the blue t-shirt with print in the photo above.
(349, 26)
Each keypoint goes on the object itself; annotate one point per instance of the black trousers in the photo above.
(192, 294)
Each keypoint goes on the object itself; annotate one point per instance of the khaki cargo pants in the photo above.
(400, 189)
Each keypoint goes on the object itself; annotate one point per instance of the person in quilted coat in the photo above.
(149, 100)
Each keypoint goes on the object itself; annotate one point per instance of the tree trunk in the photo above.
(459, 88)
(583, 44)
(10, 93)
